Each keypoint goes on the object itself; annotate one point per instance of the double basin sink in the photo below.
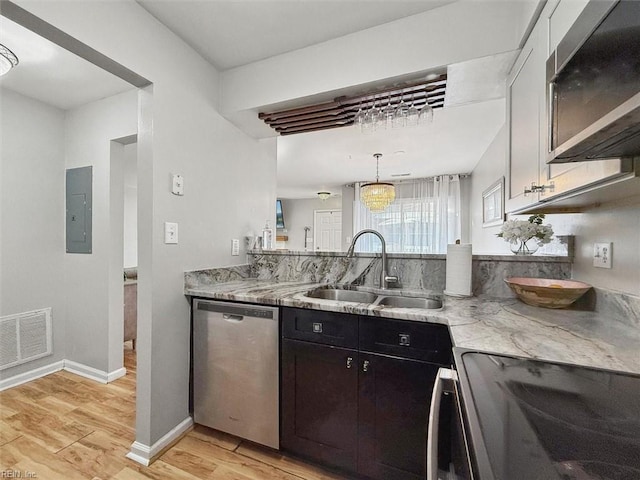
(357, 296)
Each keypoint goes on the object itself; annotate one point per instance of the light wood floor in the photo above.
(64, 426)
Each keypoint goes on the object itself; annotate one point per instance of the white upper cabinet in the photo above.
(560, 18)
(529, 128)
(525, 96)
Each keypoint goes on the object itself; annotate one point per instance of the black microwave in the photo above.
(593, 80)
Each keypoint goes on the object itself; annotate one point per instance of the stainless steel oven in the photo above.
(524, 419)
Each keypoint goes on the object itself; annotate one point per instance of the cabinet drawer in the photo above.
(328, 328)
(420, 341)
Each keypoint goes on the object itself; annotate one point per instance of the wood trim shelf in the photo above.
(341, 111)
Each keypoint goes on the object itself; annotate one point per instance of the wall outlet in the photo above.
(235, 247)
(602, 255)
(170, 232)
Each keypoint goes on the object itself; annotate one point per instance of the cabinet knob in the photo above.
(349, 362)
(365, 366)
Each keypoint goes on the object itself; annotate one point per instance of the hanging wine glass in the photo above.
(386, 118)
(400, 113)
(358, 119)
(426, 113)
(371, 119)
(413, 113)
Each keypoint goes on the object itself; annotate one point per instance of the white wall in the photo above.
(489, 169)
(229, 188)
(348, 197)
(298, 214)
(617, 223)
(32, 218)
(130, 205)
(89, 130)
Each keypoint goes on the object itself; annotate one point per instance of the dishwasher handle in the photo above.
(236, 311)
(443, 379)
(233, 318)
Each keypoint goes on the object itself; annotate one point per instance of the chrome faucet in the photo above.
(385, 279)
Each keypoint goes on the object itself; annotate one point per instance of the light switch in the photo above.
(235, 247)
(177, 185)
(170, 232)
(602, 255)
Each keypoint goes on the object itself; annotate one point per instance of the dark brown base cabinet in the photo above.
(356, 390)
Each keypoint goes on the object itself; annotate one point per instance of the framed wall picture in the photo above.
(493, 204)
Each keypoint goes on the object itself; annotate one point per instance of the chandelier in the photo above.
(8, 60)
(377, 196)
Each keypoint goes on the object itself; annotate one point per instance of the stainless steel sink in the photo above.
(358, 296)
(342, 295)
(409, 302)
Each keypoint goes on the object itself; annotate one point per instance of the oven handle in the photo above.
(444, 377)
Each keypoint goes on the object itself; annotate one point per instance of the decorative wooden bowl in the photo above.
(547, 292)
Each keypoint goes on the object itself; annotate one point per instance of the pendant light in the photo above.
(8, 60)
(377, 196)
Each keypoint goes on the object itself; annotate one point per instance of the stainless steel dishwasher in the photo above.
(235, 369)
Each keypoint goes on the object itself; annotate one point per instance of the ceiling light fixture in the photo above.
(8, 60)
(377, 196)
(324, 195)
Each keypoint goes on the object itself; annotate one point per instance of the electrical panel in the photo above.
(78, 209)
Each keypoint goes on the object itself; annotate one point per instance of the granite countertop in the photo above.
(503, 326)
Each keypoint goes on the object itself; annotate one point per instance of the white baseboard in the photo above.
(141, 454)
(31, 375)
(93, 373)
(116, 374)
(85, 371)
(68, 365)
(144, 454)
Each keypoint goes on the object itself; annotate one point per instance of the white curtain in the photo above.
(424, 217)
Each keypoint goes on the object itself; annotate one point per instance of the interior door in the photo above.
(328, 230)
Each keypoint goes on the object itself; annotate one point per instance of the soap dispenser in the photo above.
(267, 237)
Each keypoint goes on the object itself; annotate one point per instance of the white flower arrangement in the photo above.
(520, 231)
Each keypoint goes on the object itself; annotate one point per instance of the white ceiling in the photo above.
(328, 159)
(461, 132)
(52, 74)
(236, 32)
(233, 33)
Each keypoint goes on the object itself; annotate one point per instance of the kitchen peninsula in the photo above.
(490, 321)
(362, 368)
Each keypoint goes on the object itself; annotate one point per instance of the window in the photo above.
(424, 218)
